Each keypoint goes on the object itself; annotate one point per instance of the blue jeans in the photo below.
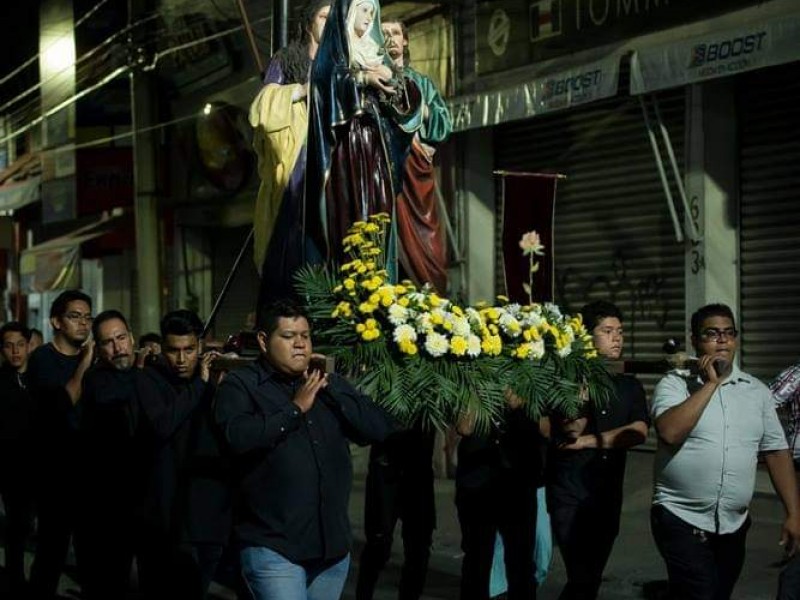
(270, 576)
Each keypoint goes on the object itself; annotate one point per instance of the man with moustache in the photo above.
(16, 446)
(55, 376)
(288, 426)
(712, 426)
(585, 470)
(108, 426)
(184, 517)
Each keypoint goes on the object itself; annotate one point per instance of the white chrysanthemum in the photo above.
(460, 326)
(537, 349)
(398, 315)
(436, 344)
(417, 297)
(514, 309)
(404, 333)
(553, 310)
(565, 351)
(473, 345)
(474, 317)
(510, 324)
(532, 319)
(423, 322)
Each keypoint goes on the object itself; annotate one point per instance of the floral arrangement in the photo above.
(427, 359)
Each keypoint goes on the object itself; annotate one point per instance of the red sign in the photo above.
(104, 179)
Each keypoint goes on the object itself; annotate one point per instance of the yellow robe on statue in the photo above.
(280, 127)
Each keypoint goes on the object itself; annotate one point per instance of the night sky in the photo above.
(19, 41)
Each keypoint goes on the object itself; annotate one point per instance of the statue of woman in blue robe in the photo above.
(356, 144)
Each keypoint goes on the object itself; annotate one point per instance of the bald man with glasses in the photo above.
(713, 422)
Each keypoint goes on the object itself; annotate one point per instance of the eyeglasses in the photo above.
(74, 317)
(714, 335)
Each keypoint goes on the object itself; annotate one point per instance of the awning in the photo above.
(716, 54)
(14, 196)
(555, 85)
(20, 183)
(55, 264)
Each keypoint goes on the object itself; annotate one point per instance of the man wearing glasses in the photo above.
(712, 424)
(55, 376)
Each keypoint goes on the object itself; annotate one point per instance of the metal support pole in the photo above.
(280, 24)
(148, 267)
(661, 172)
(694, 235)
(226, 286)
(250, 38)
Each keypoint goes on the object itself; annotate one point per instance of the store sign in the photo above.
(715, 55)
(561, 89)
(514, 33)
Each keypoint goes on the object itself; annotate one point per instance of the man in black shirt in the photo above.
(185, 513)
(108, 425)
(289, 427)
(497, 476)
(55, 376)
(16, 446)
(586, 465)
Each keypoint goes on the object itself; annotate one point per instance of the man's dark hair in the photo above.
(269, 317)
(596, 311)
(181, 322)
(16, 327)
(708, 311)
(107, 315)
(404, 29)
(35, 331)
(149, 338)
(59, 306)
(294, 57)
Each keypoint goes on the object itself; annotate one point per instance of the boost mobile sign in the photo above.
(561, 89)
(715, 55)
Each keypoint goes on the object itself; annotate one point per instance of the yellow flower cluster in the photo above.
(420, 321)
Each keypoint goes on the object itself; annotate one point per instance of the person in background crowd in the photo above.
(55, 376)
(288, 426)
(149, 349)
(37, 339)
(786, 394)
(279, 117)
(185, 513)
(16, 448)
(712, 425)
(497, 476)
(109, 485)
(585, 470)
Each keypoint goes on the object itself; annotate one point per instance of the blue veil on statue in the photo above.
(354, 158)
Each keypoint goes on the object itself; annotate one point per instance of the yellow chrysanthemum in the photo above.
(458, 345)
(367, 308)
(492, 345)
(408, 347)
(349, 284)
(404, 302)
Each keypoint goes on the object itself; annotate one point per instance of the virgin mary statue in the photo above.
(355, 147)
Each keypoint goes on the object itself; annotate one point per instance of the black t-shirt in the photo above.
(57, 419)
(597, 474)
(16, 406)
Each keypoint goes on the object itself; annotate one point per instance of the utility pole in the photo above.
(148, 243)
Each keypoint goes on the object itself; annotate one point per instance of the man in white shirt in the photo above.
(712, 425)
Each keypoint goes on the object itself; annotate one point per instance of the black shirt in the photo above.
(511, 448)
(109, 415)
(294, 469)
(596, 474)
(17, 412)
(186, 478)
(57, 418)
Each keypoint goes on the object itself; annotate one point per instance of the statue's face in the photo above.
(395, 41)
(318, 24)
(365, 13)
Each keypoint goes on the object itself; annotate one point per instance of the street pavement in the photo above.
(635, 569)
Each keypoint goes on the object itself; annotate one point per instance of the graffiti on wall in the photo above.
(641, 297)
